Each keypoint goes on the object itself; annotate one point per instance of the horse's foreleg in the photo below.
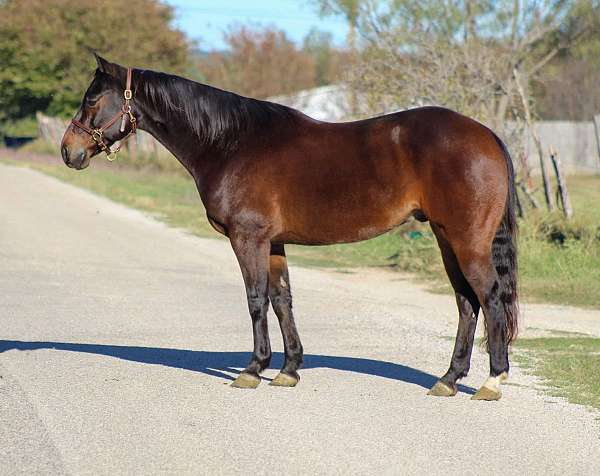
(253, 256)
(280, 294)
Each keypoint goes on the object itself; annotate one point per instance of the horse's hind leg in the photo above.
(280, 295)
(253, 256)
(477, 266)
(468, 309)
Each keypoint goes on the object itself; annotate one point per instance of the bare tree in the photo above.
(350, 10)
(260, 63)
(475, 56)
(416, 53)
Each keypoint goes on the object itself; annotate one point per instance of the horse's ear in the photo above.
(112, 69)
(100, 61)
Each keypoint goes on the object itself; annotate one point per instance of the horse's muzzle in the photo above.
(77, 159)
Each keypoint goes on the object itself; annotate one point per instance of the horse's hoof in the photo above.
(485, 393)
(440, 389)
(284, 380)
(491, 388)
(246, 380)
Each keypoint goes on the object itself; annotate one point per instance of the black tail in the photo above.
(504, 252)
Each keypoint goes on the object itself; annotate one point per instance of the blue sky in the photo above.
(206, 20)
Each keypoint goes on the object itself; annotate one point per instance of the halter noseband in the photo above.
(97, 134)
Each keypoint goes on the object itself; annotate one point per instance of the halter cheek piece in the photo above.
(123, 114)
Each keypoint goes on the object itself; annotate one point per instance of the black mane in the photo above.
(219, 119)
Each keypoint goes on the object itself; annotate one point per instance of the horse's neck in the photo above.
(178, 140)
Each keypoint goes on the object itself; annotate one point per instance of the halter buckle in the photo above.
(97, 135)
(128, 94)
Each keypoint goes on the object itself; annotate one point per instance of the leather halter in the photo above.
(125, 112)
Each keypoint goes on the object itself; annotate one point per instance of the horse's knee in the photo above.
(257, 304)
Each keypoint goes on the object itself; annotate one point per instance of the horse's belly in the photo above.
(328, 225)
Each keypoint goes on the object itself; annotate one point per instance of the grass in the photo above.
(559, 261)
(568, 366)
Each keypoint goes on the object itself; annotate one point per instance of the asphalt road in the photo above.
(119, 338)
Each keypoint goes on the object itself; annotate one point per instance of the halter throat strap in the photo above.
(124, 114)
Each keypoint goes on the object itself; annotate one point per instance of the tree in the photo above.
(349, 9)
(462, 54)
(576, 70)
(45, 48)
(580, 76)
(478, 57)
(259, 63)
(328, 60)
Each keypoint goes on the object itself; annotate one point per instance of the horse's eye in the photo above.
(91, 101)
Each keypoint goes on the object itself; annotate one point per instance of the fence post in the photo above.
(597, 131)
(562, 185)
(536, 140)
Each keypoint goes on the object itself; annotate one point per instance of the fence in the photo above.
(577, 143)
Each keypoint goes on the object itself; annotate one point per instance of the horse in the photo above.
(268, 176)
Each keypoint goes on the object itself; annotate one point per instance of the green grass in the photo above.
(567, 273)
(568, 366)
(586, 196)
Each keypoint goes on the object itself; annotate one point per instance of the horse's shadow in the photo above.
(218, 363)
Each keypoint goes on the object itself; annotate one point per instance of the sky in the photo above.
(206, 20)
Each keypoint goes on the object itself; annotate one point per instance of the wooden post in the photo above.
(520, 208)
(545, 175)
(597, 130)
(536, 141)
(529, 195)
(562, 185)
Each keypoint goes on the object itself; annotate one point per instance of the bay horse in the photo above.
(269, 175)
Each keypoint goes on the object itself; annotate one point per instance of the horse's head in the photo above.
(104, 117)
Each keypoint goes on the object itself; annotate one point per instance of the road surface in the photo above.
(119, 337)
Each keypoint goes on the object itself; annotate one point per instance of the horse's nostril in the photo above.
(64, 150)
